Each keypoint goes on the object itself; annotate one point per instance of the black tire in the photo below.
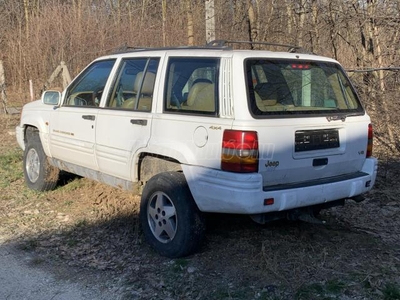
(171, 221)
(39, 174)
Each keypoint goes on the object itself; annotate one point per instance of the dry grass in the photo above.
(89, 227)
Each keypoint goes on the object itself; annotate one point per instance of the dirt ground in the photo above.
(87, 228)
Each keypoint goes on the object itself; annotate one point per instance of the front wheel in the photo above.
(171, 222)
(39, 174)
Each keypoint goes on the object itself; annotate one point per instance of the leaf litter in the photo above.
(89, 227)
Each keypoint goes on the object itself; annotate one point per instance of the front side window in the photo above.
(134, 85)
(87, 89)
(192, 86)
(285, 87)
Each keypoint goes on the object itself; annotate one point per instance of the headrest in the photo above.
(148, 83)
(200, 90)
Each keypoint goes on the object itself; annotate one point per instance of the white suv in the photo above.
(207, 129)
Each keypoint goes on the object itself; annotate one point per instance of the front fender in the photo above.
(37, 115)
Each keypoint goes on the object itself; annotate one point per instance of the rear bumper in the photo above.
(225, 192)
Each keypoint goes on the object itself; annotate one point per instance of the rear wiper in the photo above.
(336, 118)
(343, 116)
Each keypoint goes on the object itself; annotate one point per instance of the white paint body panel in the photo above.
(118, 141)
(72, 138)
(224, 192)
(111, 145)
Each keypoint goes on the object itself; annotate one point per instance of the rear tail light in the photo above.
(239, 151)
(370, 140)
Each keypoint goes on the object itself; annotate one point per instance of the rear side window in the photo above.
(284, 87)
(192, 86)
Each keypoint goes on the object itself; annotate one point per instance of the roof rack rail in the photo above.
(128, 49)
(125, 48)
(291, 48)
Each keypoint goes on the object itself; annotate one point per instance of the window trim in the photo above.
(189, 112)
(118, 75)
(80, 77)
(301, 113)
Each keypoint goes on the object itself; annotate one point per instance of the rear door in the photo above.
(310, 123)
(123, 126)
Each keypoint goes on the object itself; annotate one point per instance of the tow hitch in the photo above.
(305, 214)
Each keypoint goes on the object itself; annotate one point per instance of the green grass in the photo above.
(10, 167)
(335, 286)
(82, 223)
(391, 291)
(224, 293)
(68, 203)
(72, 242)
(72, 185)
(325, 290)
(179, 265)
(310, 291)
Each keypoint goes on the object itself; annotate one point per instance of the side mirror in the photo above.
(51, 97)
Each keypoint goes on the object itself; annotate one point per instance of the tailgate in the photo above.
(297, 152)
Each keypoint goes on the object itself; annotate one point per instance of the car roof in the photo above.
(215, 52)
(219, 48)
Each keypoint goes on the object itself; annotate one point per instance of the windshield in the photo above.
(287, 87)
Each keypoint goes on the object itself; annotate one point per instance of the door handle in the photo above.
(88, 117)
(139, 122)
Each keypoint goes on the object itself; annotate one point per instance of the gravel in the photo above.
(21, 278)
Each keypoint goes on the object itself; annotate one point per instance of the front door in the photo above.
(73, 124)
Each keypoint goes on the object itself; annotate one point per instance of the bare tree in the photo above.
(189, 13)
(252, 20)
(210, 20)
(27, 18)
(164, 21)
(35, 35)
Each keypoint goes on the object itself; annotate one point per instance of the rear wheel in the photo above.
(171, 222)
(39, 174)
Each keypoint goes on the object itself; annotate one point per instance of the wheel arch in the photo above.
(150, 164)
(29, 132)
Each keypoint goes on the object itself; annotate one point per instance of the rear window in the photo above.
(286, 87)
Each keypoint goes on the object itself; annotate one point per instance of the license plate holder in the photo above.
(309, 140)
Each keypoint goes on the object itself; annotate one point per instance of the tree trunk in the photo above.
(26, 16)
(3, 87)
(189, 22)
(377, 52)
(240, 16)
(77, 6)
(302, 19)
(332, 29)
(210, 21)
(314, 34)
(289, 12)
(253, 31)
(164, 21)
